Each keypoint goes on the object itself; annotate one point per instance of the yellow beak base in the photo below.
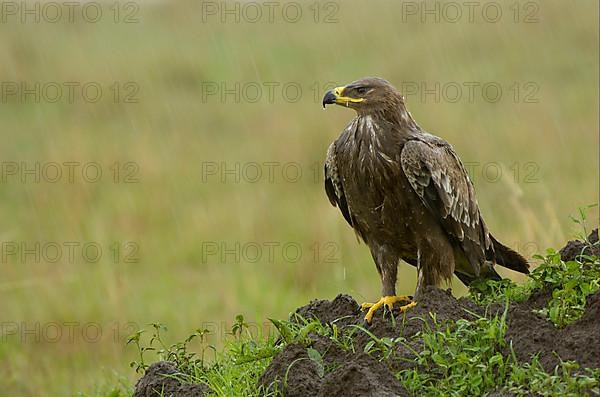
(344, 100)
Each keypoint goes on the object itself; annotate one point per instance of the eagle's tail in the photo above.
(509, 258)
(487, 272)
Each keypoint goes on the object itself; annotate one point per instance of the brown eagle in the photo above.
(407, 195)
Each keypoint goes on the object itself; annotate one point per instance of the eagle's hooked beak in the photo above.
(335, 96)
(329, 98)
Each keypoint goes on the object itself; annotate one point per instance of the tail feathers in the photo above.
(509, 258)
(487, 272)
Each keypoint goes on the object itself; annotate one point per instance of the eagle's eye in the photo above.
(362, 90)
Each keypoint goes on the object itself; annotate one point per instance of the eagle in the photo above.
(406, 194)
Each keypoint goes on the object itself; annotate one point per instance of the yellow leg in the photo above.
(387, 301)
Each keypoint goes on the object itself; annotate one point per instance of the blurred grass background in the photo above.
(170, 54)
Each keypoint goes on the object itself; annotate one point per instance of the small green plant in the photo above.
(564, 381)
(135, 339)
(315, 356)
(384, 347)
(177, 353)
(582, 221)
(485, 292)
(233, 371)
(459, 358)
(570, 282)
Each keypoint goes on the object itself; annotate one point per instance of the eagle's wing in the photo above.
(440, 180)
(333, 185)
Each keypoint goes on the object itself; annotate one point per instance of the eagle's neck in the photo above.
(394, 114)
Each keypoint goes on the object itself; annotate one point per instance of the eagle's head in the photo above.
(366, 96)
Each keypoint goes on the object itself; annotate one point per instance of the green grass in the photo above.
(170, 212)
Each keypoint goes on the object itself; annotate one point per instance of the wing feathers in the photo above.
(436, 174)
(333, 185)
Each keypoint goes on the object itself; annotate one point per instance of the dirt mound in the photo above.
(575, 248)
(578, 341)
(351, 374)
(161, 380)
(340, 372)
(358, 374)
(529, 333)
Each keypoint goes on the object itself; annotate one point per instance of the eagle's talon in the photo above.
(404, 308)
(388, 303)
(366, 306)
